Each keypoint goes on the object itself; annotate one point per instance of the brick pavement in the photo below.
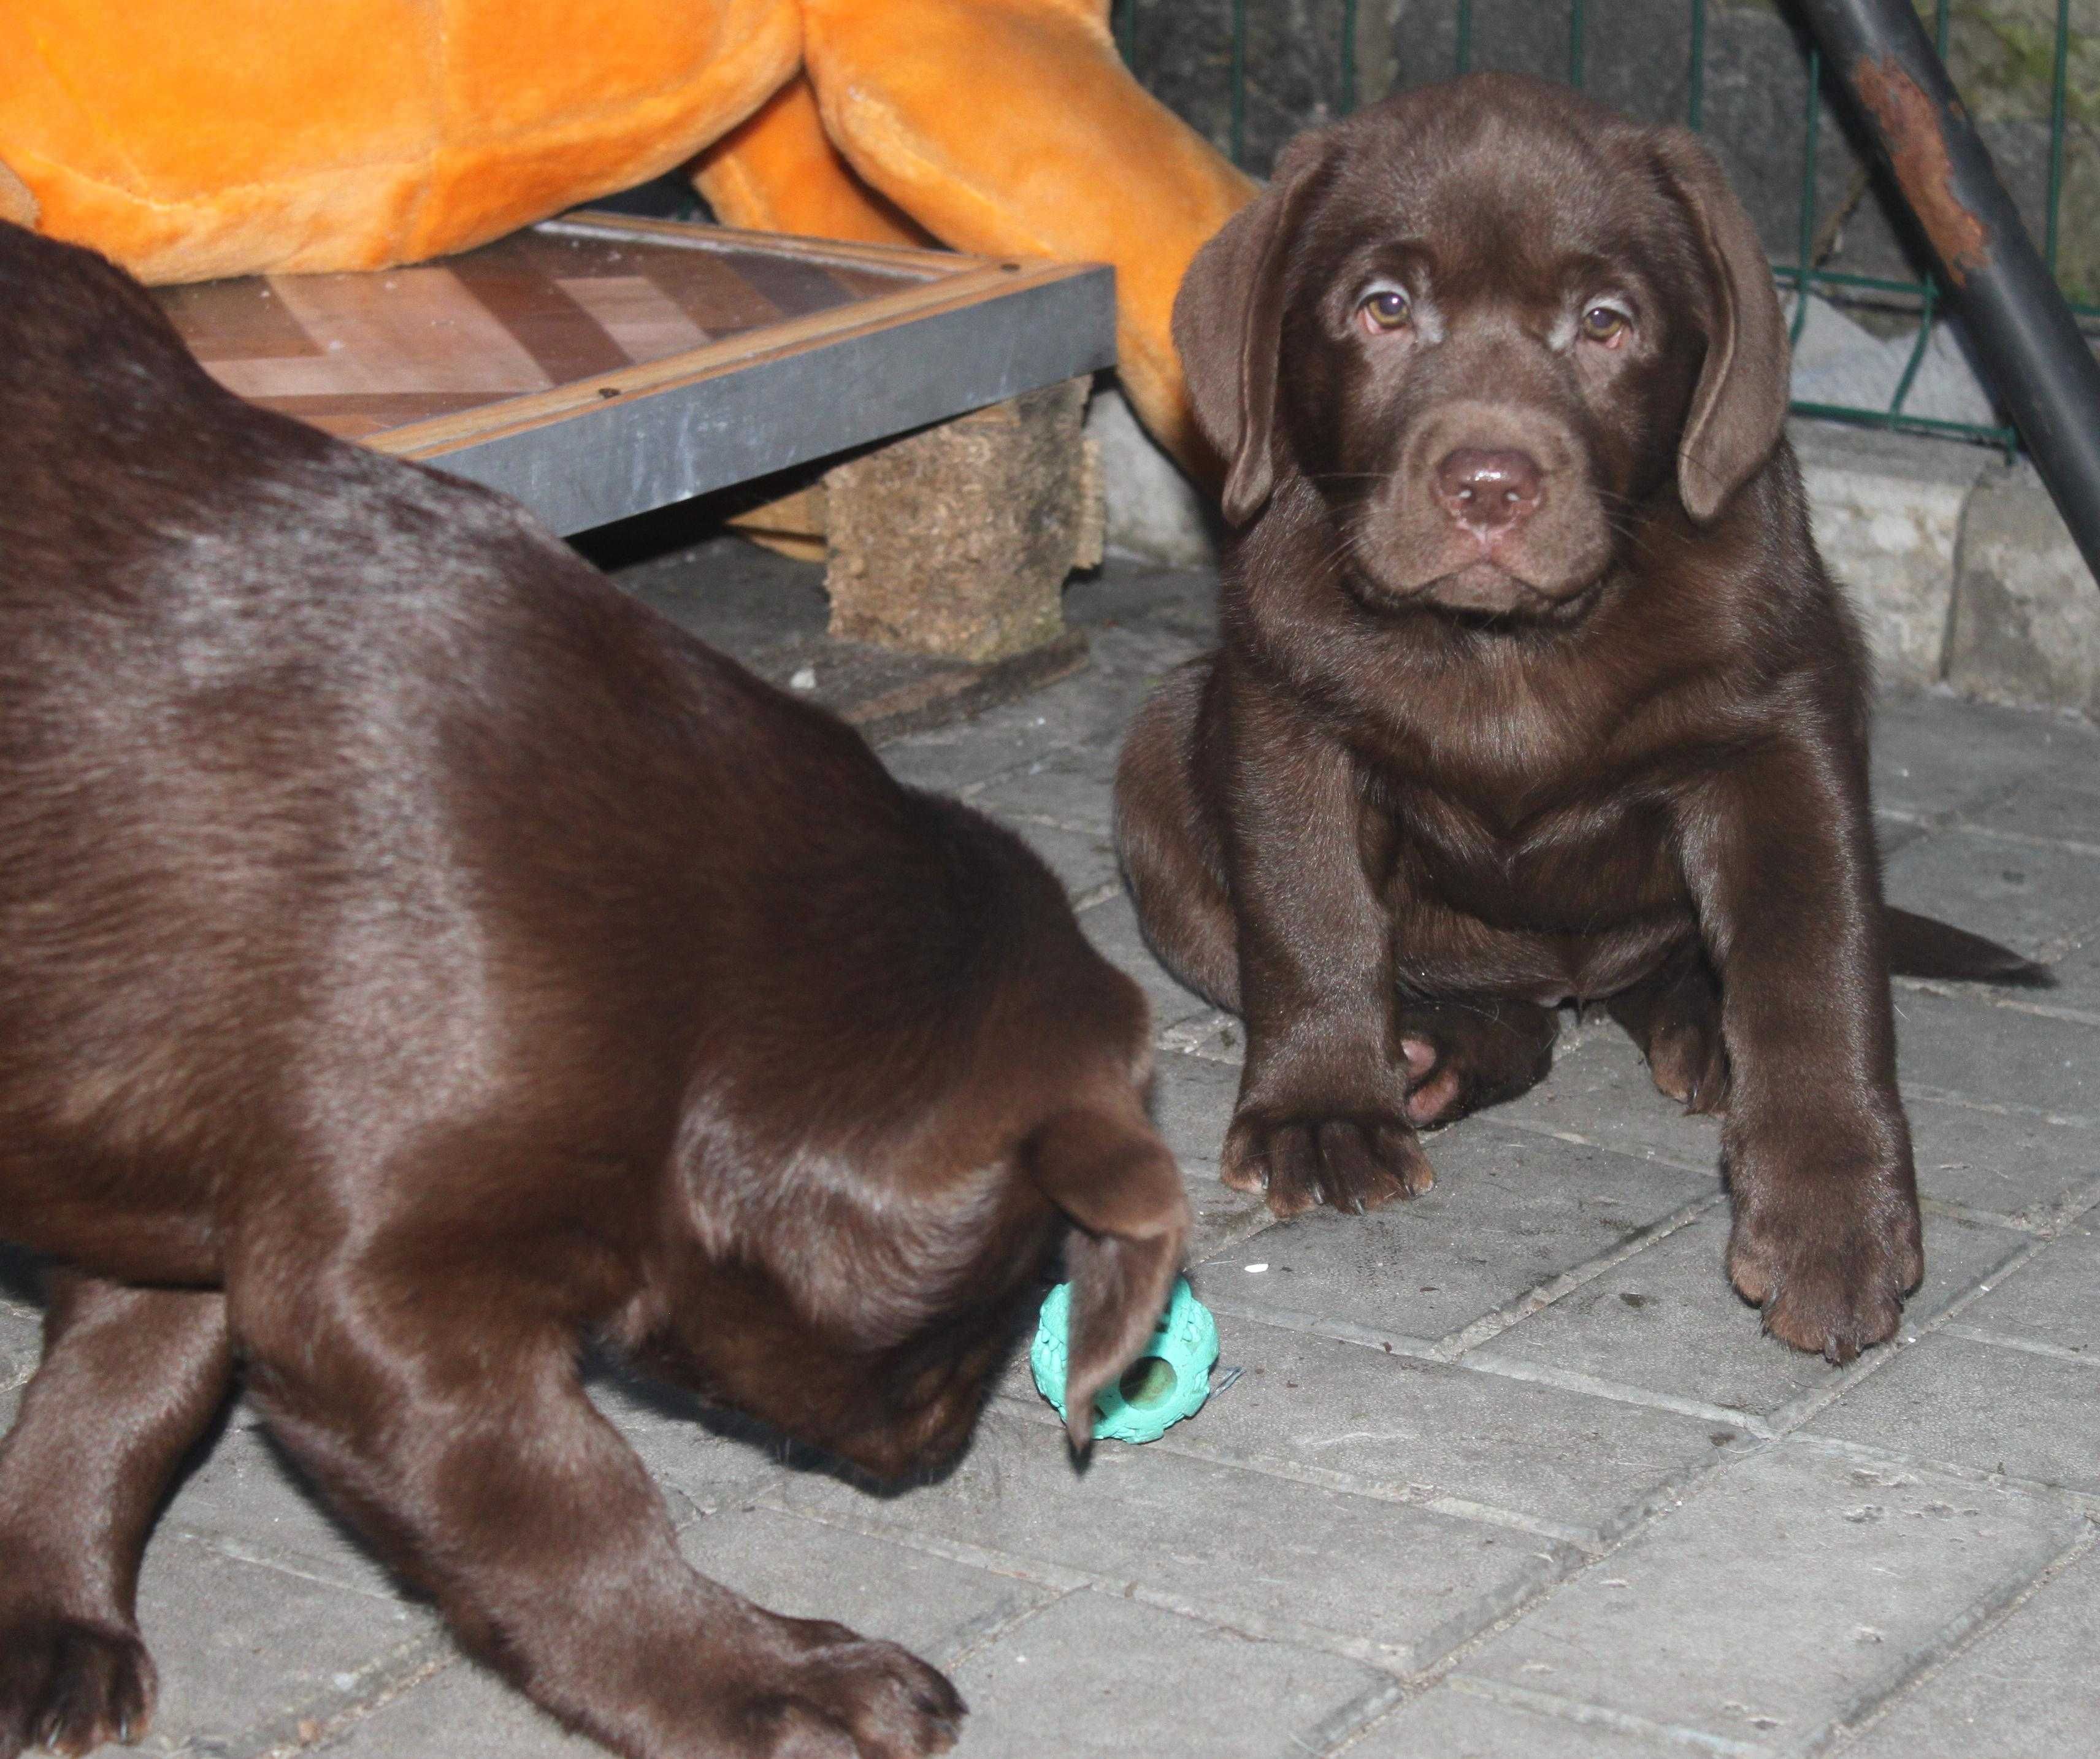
(1508, 1470)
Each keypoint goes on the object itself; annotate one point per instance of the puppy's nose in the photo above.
(1489, 491)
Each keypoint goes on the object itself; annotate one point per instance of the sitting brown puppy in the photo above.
(1533, 686)
(416, 957)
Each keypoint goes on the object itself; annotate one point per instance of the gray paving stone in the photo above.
(1192, 1097)
(1392, 1585)
(1953, 1399)
(1784, 1596)
(462, 1713)
(1093, 707)
(1556, 1462)
(1073, 786)
(21, 1342)
(949, 759)
(2002, 1162)
(1112, 927)
(1666, 1318)
(1894, 832)
(2052, 1299)
(1509, 1210)
(245, 1500)
(2038, 899)
(1212, 1034)
(21, 1325)
(2060, 801)
(813, 1569)
(706, 1457)
(1083, 861)
(2077, 972)
(1969, 1046)
(245, 1647)
(1131, 595)
(1457, 1719)
(1097, 1675)
(1933, 752)
(956, 759)
(2024, 1688)
(1599, 1089)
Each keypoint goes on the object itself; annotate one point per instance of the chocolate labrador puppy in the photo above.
(417, 959)
(1533, 688)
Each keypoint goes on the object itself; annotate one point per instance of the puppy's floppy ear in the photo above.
(1109, 1172)
(1228, 328)
(1739, 404)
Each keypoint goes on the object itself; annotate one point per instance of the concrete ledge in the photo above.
(2027, 610)
(1961, 566)
(1886, 510)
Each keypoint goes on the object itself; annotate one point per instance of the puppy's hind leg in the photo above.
(1471, 1052)
(1674, 1016)
(1168, 842)
(129, 1379)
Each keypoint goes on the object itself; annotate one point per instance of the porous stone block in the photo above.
(957, 540)
(2027, 611)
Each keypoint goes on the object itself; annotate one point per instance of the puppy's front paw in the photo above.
(1829, 1267)
(1354, 1160)
(70, 1685)
(849, 1697)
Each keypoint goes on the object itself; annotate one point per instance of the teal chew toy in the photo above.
(1170, 1379)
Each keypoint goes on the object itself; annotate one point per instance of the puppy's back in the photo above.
(332, 787)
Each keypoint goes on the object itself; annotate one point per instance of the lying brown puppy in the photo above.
(1533, 686)
(416, 957)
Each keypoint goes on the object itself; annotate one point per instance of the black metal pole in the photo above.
(2037, 361)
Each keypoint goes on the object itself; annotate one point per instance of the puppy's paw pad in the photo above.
(856, 1698)
(1351, 1161)
(1433, 1099)
(1689, 1065)
(70, 1686)
(1828, 1298)
(1835, 1325)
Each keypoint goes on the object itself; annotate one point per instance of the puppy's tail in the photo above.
(1921, 947)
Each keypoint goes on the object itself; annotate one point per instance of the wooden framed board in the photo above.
(597, 366)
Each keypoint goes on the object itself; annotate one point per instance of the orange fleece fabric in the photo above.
(779, 173)
(1011, 127)
(188, 141)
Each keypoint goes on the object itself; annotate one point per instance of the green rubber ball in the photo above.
(1169, 1380)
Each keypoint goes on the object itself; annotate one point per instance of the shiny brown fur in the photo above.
(1533, 688)
(417, 959)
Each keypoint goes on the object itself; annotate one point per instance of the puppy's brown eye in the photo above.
(1386, 308)
(1604, 324)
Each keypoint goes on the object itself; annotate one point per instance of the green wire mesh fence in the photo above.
(1251, 72)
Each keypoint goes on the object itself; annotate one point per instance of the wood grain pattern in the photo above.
(545, 322)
